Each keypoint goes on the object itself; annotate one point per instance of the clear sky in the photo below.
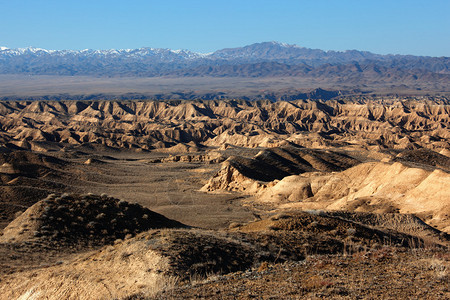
(380, 26)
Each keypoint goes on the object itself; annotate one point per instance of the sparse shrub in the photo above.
(376, 246)
(91, 225)
(273, 227)
(351, 231)
(125, 255)
(100, 216)
(263, 267)
(61, 208)
(316, 282)
(316, 212)
(314, 224)
(280, 216)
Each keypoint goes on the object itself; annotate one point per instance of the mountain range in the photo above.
(268, 70)
(261, 59)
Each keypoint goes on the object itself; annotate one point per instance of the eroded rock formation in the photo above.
(42, 125)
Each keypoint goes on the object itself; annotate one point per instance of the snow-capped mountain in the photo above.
(261, 59)
(127, 53)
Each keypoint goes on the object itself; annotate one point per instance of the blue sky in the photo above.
(395, 26)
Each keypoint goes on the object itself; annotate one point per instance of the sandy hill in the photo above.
(374, 187)
(162, 259)
(82, 220)
(26, 177)
(323, 232)
(414, 182)
(406, 223)
(240, 173)
(154, 260)
(393, 123)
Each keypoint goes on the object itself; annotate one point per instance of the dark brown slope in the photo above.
(29, 164)
(81, 220)
(26, 177)
(357, 249)
(406, 223)
(425, 157)
(277, 163)
(381, 274)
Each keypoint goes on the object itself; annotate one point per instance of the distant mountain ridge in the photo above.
(267, 59)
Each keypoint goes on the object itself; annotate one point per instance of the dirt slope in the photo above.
(425, 157)
(82, 220)
(27, 177)
(373, 187)
(150, 262)
(162, 259)
(240, 173)
(406, 223)
(381, 274)
(413, 182)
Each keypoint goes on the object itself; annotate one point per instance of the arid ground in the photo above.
(230, 199)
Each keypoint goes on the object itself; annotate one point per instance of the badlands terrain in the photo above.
(223, 199)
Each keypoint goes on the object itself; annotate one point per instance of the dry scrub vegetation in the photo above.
(162, 261)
